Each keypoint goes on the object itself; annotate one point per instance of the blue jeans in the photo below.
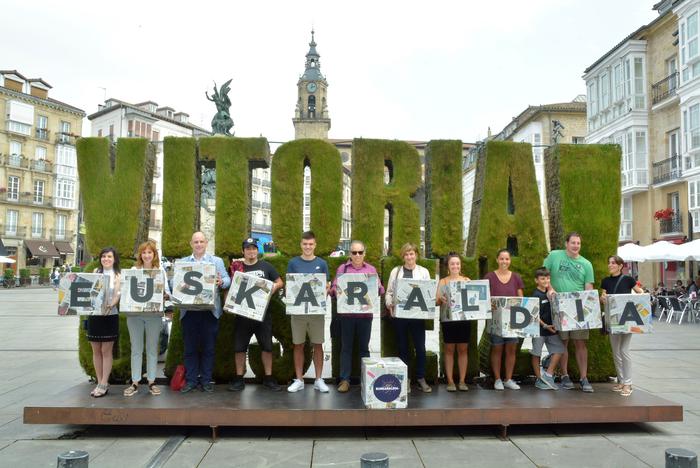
(349, 327)
(151, 325)
(417, 329)
(199, 329)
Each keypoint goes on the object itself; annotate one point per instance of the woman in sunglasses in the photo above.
(355, 324)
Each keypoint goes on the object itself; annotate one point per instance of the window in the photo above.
(578, 140)
(692, 36)
(40, 153)
(11, 219)
(37, 224)
(617, 76)
(593, 98)
(536, 147)
(64, 193)
(626, 219)
(15, 148)
(604, 91)
(38, 191)
(61, 221)
(64, 132)
(639, 101)
(691, 124)
(42, 125)
(13, 188)
(99, 133)
(694, 202)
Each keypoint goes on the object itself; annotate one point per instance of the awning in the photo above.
(3, 250)
(63, 247)
(41, 248)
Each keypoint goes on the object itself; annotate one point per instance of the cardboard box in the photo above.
(469, 300)
(357, 293)
(415, 299)
(248, 296)
(142, 291)
(515, 317)
(578, 310)
(194, 285)
(83, 294)
(628, 313)
(384, 383)
(305, 293)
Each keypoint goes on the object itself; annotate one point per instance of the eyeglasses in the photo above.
(357, 252)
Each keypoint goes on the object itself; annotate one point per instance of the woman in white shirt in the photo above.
(103, 330)
(404, 326)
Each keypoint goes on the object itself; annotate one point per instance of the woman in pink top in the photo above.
(504, 282)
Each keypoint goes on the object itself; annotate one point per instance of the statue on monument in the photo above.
(222, 123)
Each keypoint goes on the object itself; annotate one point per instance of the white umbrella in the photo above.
(631, 252)
(691, 250)
(663, 251)
(6, 259)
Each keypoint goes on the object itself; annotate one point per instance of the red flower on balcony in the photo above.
(666, 213)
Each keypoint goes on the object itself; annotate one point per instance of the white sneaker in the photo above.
(296, 386)
(321, 386)
(498, 385)
(510, 384)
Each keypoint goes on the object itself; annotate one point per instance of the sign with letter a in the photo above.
(628, 313)
(142, 291)
(515, 317)
(194, 285)
(578, 310)
(248, 296)
(305, 294)
(469, 300)
(358, 293)
(83, 294)
(415, 299)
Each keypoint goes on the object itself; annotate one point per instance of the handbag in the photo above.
(178, 380)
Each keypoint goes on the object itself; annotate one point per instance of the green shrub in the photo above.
(595, 214)
(113, 199)
(44, 272)
(326, 192)
(443, 190)
(370, 195)
(24, 273)
(9, 274)
(76, 269)
(180, 204)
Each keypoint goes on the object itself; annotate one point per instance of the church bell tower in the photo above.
(311, 114)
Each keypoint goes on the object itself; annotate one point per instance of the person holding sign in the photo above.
(356, 324)
(148, 324)
(402, 326)
(454, 334)
(571, 272)
(200, 327)
(314, 325)
(617, 283)
(103, 330)
(504, 282)
(548, 335)
(246, 328)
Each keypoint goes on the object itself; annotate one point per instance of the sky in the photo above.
(410, 70)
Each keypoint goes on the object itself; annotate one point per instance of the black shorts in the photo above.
(245, 328)
(456, 332)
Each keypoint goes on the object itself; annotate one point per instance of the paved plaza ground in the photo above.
(38, 358)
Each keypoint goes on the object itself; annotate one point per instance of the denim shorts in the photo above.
(499, 340)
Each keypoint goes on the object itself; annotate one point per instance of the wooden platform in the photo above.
(256, 406)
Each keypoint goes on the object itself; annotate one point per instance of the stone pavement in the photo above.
(38, 358)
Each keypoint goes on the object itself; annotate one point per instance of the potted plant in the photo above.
(665, 214)
(44, 275)
(24, 276)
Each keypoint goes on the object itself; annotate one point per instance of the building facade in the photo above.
(38, 173)
(116, 119)
(643, 95)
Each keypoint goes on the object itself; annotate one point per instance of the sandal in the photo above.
(617, 388)
(153, 388)
(92, 393)
(626, 391)
(131, 390)
(101, 390)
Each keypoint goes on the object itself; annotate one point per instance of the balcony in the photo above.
(265, 228)
(261, 204)
(61, 235)
(257, 181)
(63, 138)
(664, 88)
(41, 165)
(43, 201)
(673, 225)
(42, 133)
(13, 231)
(156, 199)
(157, 172)
(667, 170)
(14, 160)
(155, 225)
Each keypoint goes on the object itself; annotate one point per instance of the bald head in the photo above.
(199, 244)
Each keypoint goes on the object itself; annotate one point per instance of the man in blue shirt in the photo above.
(314, 325)
(200, 327)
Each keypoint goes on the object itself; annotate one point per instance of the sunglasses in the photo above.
(357, 252)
